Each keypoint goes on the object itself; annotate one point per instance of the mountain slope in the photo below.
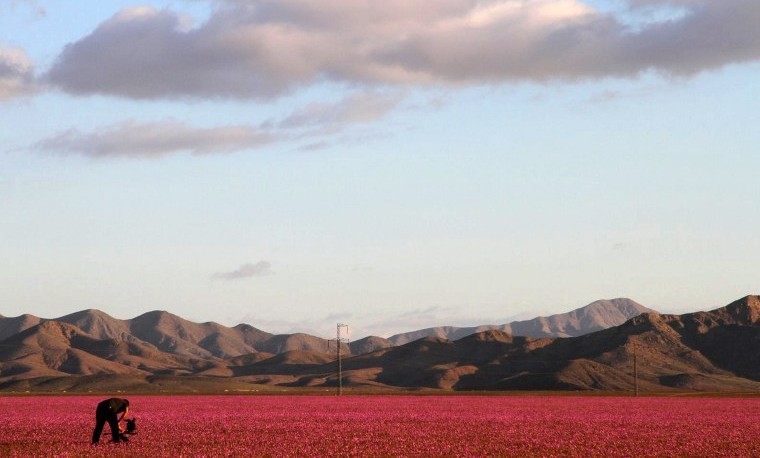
(368, 345)
(728, 336)
(96, 323)
(55, 348)
(173, 334)
(596, 316)
(718, 350)
(693, 351)
(593, 317)
(298, 342)
(13, 325)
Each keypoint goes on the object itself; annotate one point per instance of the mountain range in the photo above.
(89, 350)
(596, 316)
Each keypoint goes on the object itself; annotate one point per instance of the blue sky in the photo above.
(392, 165)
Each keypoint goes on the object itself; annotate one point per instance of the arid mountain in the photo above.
(57, 348)
(93, 342)
(705, 351)
(368, 345)
(173, 334)
(596, 316)
(10, 326)
(97, 324)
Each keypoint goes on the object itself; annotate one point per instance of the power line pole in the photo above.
(338, 341)
(635, 372)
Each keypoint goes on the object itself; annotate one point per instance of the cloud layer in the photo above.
(266, 48)
(161, 138)
(133, 139)
(259, 269)
(358, 108)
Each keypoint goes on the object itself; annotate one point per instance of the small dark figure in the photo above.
(106, 412)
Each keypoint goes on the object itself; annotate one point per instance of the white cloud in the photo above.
(260, 269)
(155, 139)
(16, 73)
(266, 48)
(133, 139)
(358, 108)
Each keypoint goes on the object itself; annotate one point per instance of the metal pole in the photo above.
(340, 363)
(635, 372)
(339, 340)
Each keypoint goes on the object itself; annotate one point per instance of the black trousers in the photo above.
(105, 414)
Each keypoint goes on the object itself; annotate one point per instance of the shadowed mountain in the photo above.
(598, 315)
(717, 350)
(729, 336)
(13, 325)
(288, 363)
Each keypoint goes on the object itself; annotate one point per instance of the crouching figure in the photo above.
(108, 411)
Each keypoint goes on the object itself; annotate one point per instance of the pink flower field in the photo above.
(174, 426)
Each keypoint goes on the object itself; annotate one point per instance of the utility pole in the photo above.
(635, 372)
(338, 341)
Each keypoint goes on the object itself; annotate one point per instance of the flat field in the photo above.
(191, 426)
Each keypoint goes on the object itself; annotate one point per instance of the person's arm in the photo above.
(124, 414)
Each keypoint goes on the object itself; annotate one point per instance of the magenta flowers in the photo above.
(174, 426)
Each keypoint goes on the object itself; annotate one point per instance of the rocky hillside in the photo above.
(711, 351)
(717, 350)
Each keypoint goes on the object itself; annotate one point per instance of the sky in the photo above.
(392, 165)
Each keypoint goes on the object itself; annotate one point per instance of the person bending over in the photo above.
(107, 411)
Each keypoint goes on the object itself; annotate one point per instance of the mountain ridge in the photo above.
(595, 316)
(169, 332)
(713, 350)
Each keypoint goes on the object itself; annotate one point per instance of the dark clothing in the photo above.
(107, 412)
